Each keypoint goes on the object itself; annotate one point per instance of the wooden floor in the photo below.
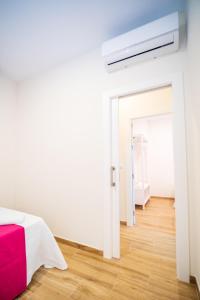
(146, 269)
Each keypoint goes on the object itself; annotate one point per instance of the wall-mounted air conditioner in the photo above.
(146, 42)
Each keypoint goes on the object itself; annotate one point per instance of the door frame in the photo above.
(130, 207)
(111, 157)
(131, 217)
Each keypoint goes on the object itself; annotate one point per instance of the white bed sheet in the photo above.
(41, 247)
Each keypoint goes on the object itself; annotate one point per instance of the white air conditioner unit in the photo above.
(143, 43)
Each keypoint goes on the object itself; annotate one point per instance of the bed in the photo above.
(26, 244)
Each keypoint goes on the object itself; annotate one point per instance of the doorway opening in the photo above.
(145, 131)
(145, 150)
(112, 166)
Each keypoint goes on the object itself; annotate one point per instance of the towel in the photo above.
(13, 270)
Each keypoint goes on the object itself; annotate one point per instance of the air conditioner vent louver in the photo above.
(140, 53)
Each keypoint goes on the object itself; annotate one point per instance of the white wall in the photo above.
(136, 106)
(160, 165)
(7, 142)
(60, 169)
(193, 134)
(60, 158)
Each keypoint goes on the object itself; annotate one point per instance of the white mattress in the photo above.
(41, 247)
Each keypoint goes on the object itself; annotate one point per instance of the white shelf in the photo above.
(141, 185)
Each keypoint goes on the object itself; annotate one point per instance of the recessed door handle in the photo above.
(112, 175)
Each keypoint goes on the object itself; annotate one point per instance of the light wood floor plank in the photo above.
(146, 270)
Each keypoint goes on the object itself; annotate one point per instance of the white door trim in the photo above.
(130, 180)
(111, 208)
(115, 172)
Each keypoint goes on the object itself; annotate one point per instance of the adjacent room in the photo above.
(146, 146)
(100, 143)
(146, 156)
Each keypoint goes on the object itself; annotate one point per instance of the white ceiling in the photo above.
(36, 35)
